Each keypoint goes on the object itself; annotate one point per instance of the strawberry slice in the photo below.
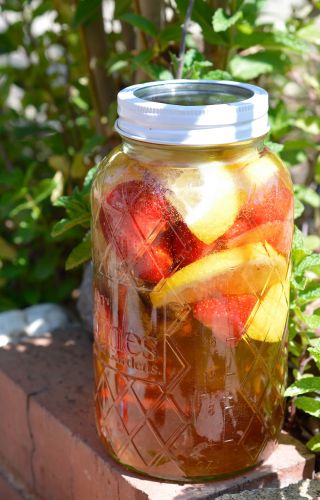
(265, 217)
(186, 247)
(226, 316)
(273, 202)
(132, 218)
(155, 262)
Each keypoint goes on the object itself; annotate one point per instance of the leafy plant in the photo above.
(56, 123)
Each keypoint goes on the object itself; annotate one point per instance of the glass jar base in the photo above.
(153, 475)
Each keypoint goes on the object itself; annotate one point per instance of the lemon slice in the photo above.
(246, 269)
(207, 197)
(212, 206)
(268, 319)
(259, 171)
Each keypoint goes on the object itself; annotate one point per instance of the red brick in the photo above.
(15, 440)
(57, 434)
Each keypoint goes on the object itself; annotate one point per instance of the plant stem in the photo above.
(183, 39)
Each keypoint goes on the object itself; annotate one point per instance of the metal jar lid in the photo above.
(192, 112)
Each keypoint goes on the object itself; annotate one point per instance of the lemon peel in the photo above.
(268, 319)
(245, 269)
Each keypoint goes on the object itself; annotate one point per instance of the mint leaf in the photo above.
(88, 180)
(64, 225)
(314, 444)
(140, 22)
(309, 405)
(309, 263)
(217, 74)
(298, 208)
(221, 22)
(315, 350)
(312, 322)
(307, 384)
(254, 65)
(80, 254)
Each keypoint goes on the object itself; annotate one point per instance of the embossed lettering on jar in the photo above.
(192, 230)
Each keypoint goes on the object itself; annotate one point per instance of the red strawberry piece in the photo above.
(226, 316)
(186, 247)
(240, 226)
(273, 202)
(155, 263)
(266, 215)
(132, 218)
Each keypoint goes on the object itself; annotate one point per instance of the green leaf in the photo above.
(118, 66)
(202, 14)
(42, 191)
(309, 263)
(280, 120)
(309, 295)
(311, 33)
(64, 225)
(298, 208)
(307, 195)
(254, 65)
(87, 183)
(121, 7)
(157, 72)
(313, 322)
(314, 444)
(59, 163)
(217, 74)
(80, 103)
(272, 40)
(191, 56)
(171, 33)
(298, 240)
(86, 10)
(140, 22)
(275, 147)
(251, 10)
(317, 170)
(7, 251)
(6, 45)
(315, 349)
(78, 168)
(222, 22)
(312, 242)
(309, 124)
(76, 205)
(45, 267)
(92, 143)
(142, 58)
(308, 405)
(307, 384)
(80, 254)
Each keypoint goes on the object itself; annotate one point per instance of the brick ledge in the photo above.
(48, 436)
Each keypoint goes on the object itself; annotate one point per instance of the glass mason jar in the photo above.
(192, 230)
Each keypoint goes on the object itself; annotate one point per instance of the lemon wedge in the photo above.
(246, 269)
(259, 171)
(268, 319)
(207, 197)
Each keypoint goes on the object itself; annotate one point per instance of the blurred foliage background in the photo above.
(61, 67)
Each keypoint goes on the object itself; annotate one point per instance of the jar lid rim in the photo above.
(242, 114)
